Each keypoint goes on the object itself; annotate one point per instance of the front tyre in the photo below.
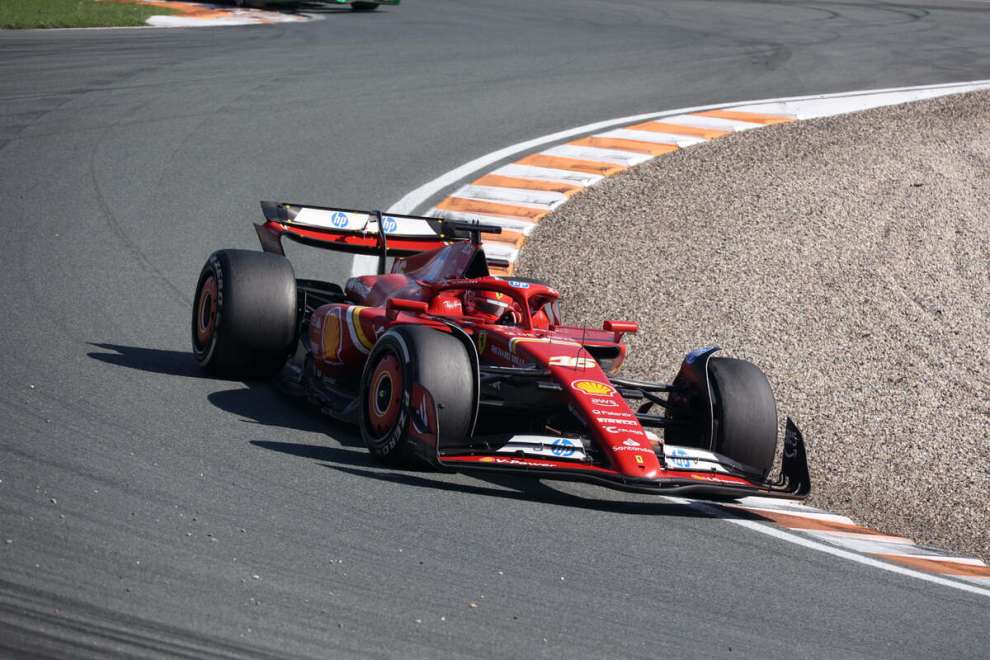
(403, 357)
(745, 414)
(244, 314)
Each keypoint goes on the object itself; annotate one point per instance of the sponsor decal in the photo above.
(487, 459)
(482, 341)
(517, 461)
(704, 477)
(621, 448)
(614, 430)
(592, 387)
(572, 362)
(518, 285)
(540, 445)
(607, 403)
(629, 442)
(509, 357)
(358, 336)
(614, 413)
(562, 447)
(332, 337)
(790, 444)
(639, 459)
(679, 458)
(392, 438)
(421, 420)
(612, 420)
(389, 224)
(339, 219)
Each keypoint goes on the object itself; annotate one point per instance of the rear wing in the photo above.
(362, 232)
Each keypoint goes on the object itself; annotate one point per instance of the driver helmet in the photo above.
(494, 306)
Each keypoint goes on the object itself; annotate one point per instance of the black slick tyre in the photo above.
(745, 414)
(244, 314)
(364, 6)
(402, 357)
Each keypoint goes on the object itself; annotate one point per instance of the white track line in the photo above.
(776, 532)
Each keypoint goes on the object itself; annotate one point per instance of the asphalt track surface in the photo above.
(146, 509)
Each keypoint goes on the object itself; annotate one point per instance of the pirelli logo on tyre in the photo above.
(592, 387)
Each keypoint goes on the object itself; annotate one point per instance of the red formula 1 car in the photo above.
(439, 361)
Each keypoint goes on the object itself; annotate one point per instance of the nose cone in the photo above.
(610, 420)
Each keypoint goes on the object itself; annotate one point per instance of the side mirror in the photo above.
(396, 305)
(620, 328)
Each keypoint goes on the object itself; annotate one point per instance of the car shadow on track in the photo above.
(258, 402)
(261, 403)
(359, 463)
(154, 360)
(531, 490)
(333, 455)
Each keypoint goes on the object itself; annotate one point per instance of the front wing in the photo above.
(687, 472)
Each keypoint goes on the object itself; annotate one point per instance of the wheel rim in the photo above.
(206, 311)
(384, 395)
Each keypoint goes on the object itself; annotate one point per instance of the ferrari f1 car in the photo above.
(439, 361)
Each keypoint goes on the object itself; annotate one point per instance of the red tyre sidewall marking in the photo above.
(206, 311)
(388, 373)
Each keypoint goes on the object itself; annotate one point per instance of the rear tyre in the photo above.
(745, 414)
(364, 6)
(402, 357)
(244, 314)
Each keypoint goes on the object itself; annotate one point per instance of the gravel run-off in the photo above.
(849, 257)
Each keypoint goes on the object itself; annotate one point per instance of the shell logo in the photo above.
(592, 387)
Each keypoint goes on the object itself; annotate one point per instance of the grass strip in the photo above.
(22, 14)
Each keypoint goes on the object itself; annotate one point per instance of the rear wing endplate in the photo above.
(362, 232)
